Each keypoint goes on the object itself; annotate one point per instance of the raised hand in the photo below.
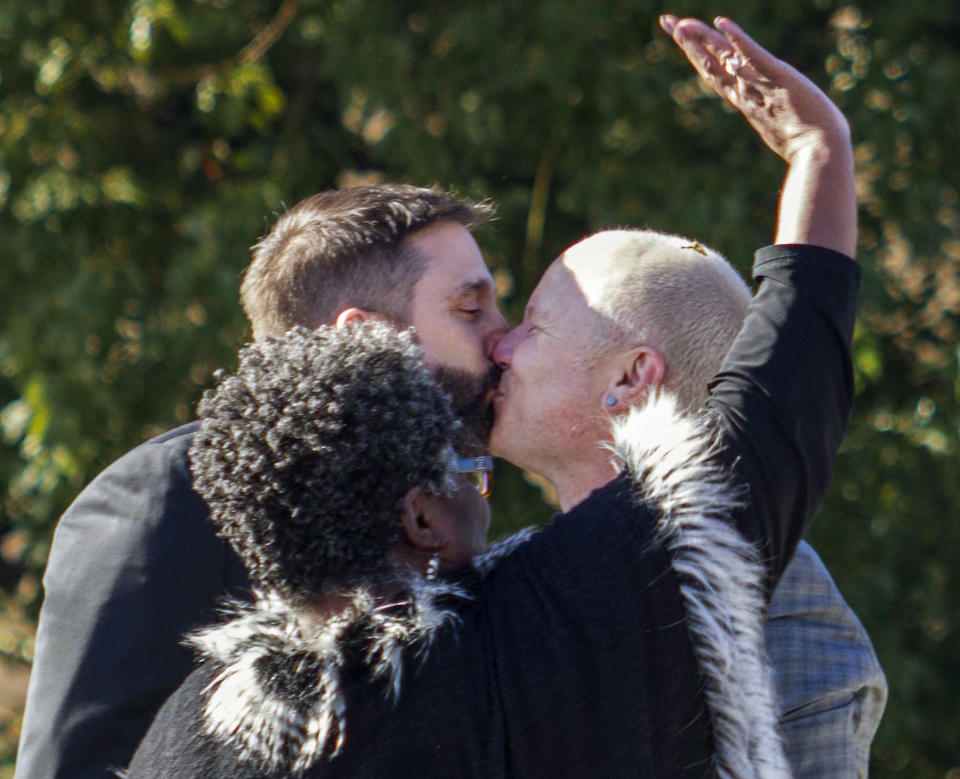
(795, 119)
(787, 109)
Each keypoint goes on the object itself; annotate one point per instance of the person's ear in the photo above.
(419, 530)
(641, 372)
(356, 315)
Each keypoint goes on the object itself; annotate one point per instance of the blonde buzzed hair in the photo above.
(678, 296)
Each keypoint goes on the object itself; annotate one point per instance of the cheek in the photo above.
(456, 344)
(566, 402)
(529, 364)
(548, 362)
(547, 375)
(432, 336)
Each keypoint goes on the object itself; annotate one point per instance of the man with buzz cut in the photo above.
(631, 318)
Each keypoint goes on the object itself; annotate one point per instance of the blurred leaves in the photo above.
(146, 144)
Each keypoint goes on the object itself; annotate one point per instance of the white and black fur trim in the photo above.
(268, 646)
(668, 456)
(276, 732)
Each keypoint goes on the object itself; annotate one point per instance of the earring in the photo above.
(611, 400)
(432, 567)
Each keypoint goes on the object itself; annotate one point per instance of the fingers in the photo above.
(694, 31)
(668, 22)
(789, 111)
(708, 51)
(751, 51)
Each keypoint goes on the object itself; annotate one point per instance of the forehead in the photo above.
(454, 263)
(556, 283)
(559, 297)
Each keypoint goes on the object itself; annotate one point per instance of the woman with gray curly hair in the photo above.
(309, 454)
(328, 465)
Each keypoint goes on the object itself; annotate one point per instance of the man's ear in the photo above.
(641, 372)
(417, 523)
(355, 315)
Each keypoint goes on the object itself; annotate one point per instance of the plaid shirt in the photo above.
(831, 688)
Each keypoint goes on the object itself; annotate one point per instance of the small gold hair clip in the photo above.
(696, 247)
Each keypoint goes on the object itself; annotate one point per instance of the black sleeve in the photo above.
(785, 390)
(135, 563)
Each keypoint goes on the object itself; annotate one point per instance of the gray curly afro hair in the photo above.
(305, 454)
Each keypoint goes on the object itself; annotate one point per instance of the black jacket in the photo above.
(622, 640)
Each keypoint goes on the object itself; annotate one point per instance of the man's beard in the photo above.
(468, 399)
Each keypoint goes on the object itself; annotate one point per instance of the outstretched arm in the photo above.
(794, 118)
(831, 689)
(783, 394)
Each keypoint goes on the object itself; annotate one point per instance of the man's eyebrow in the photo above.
(475, 287)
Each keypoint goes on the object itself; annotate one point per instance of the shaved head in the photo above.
(665, 291)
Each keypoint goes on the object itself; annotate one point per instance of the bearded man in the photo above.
(135, 563)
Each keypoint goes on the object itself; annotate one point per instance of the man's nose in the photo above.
(503, 349)
(495, 334)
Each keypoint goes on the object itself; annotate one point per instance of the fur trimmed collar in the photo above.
(669, 458)
(278, 698)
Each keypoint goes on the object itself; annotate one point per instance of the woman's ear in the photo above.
(417, 523)
(642, 372)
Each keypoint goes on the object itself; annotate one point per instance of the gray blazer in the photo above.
(135, 563)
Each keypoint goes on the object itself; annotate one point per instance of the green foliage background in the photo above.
(145, 144)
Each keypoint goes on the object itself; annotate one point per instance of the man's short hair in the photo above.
(305, 454)
(342, 248)
(680, 297)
